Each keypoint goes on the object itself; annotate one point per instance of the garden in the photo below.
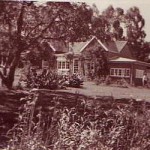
(41, 110)
(43, 119)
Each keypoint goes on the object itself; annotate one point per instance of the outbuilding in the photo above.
(130, 69)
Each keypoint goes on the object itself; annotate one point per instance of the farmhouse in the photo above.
(74, 58)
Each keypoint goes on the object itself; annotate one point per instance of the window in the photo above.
(76, 66)
(127, 72)
(139, 73)
(59, 65)
(90, 65)
(67, 65)
(120, 72)
(112, 72)
(62, 65)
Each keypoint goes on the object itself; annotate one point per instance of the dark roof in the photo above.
(115, 46)
(111, 46)
(120, 45)
(58, 46)
(77, 47)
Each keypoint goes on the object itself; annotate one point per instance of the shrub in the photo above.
(45, 79)
(122, 83)
(75, 81)
(51, 80)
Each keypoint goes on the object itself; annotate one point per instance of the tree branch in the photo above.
(44, 30)
(33, 29)
(20, 21)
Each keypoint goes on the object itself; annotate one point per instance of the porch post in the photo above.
(131, 74)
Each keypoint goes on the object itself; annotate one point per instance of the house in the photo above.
(130, 69)
(74, 58)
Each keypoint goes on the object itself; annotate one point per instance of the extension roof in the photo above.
(128, 60)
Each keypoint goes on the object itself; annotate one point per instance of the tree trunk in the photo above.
(8, 79)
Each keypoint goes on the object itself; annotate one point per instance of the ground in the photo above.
(91, 89)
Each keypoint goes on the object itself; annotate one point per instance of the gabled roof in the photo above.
(120, 45)
(51, 46)
(94, 38)
(111, 46)
(78, 47)
(58, 46)
(115, 46)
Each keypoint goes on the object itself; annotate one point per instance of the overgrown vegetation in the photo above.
(86, 124)
(50, 80)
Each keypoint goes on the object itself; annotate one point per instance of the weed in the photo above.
(81, 127)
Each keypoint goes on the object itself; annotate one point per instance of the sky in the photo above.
(143, 5)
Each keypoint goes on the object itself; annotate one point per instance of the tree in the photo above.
(135, 33)
(118, 30)
(133, 26)
(101, 63)
(114, 18)
(96, 56)
(24, 25)
(100, 27)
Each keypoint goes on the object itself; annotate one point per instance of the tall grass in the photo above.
(82, 127)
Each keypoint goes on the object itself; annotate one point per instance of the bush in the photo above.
(45, 79)
(75, 81)
(122, 83)
(51, 80)
(103, 80)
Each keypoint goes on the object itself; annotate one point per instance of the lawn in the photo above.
(91, 89)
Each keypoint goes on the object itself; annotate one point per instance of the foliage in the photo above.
(106, 126)
(98, 57)
(100, 28)
(135, 33)
(75, 81)
(114, 17)
(122, 83)
(45, 80)
(27, 25)
(128, 26)
(50, 80)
